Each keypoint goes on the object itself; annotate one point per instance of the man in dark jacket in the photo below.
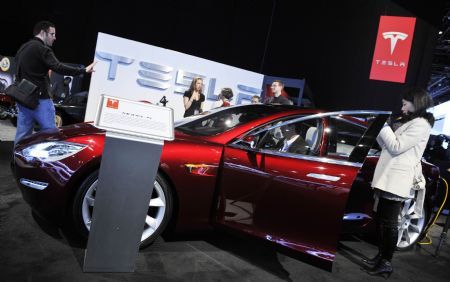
(292, 142)
(34, 60)
(277, 98)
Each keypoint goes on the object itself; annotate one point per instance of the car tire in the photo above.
(410, 229)
(59, 121)
(158, 216)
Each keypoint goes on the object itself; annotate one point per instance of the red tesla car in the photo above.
(294, 177)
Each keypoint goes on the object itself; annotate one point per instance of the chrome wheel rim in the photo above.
(410, 225)
(155, 213)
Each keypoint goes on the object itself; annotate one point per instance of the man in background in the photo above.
(277, 98)
(256, 99)
(34, 59)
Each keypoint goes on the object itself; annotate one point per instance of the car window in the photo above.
(343, 134)
(302, 137)
(219, 121)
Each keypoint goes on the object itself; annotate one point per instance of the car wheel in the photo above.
(410, 227)
(58, 119)
(158, 214)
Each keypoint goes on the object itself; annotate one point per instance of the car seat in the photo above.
(311, 137)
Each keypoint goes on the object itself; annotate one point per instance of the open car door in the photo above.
(288, 181)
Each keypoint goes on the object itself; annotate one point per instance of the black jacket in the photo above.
(278, 100)
(34, 60)
(299, 146)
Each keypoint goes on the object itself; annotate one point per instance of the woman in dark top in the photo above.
(193, 98)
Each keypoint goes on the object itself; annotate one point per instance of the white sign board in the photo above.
(141, 72)
(134, 120)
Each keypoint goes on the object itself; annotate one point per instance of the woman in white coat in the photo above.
(403, 142)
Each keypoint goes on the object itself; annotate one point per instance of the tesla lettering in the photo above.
(390, 63)
(247, 94)
(114, 61)
(183, 80)
(158, 76)
(394, 36)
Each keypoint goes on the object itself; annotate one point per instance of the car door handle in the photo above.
(323, 176)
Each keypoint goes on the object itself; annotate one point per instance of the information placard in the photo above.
(132, 118)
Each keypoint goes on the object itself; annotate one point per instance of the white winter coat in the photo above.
(402, 150)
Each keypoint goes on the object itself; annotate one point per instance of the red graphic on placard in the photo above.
(392, 48)
(112, 103)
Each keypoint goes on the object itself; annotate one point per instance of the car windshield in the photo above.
(220, 120)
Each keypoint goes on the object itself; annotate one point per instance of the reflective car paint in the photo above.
(294, 202)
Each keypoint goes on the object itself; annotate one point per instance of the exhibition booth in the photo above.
(293, 180)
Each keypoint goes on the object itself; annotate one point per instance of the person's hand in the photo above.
(389, 121)
(90, 68)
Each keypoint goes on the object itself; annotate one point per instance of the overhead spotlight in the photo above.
(440, 32)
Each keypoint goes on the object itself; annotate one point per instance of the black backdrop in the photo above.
(330, 43)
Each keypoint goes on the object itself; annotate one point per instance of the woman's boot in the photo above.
(370, 263)
(389, 243)
(384, 268)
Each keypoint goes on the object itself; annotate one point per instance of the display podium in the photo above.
(133, 144)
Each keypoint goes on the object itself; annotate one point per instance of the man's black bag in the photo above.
(24, 92)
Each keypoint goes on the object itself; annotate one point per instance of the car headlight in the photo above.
(52, 151)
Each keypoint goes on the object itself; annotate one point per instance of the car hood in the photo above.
(62, 133)
(83, 129)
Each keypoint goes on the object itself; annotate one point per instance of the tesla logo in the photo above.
(394, 36)
(392, 48)
(112, 103)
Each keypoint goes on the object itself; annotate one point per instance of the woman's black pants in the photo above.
(387, 215)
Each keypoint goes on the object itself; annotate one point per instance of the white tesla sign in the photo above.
(141, 72)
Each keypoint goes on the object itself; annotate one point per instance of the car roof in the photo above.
(274, 108)
(277, 111)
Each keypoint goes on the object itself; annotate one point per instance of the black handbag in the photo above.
(24, 93)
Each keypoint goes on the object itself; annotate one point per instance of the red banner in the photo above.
(392, 49)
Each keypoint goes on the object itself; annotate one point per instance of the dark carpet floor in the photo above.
(32, 250)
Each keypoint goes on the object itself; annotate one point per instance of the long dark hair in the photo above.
(193, 82)
(421, 101)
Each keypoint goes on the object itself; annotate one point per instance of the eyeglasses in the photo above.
(51, 33)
